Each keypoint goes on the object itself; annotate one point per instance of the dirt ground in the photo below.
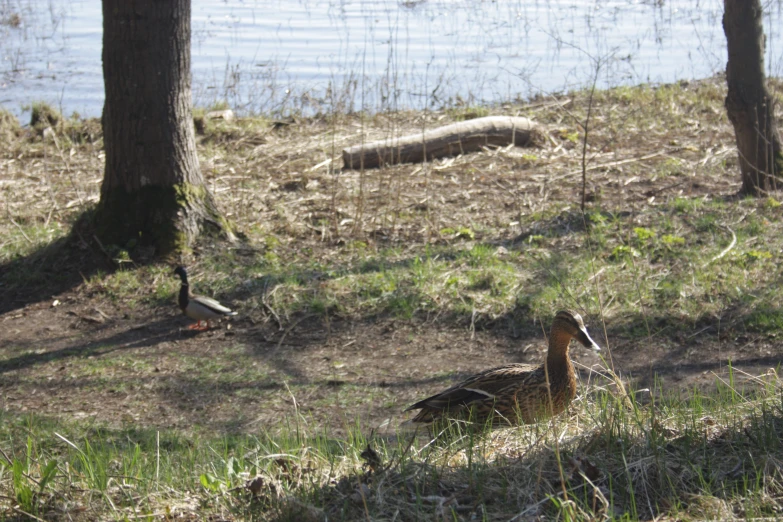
(330, 374)
(72, 352)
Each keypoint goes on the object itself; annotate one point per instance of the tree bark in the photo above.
(153, 191)
(457, 138)
(748, 103)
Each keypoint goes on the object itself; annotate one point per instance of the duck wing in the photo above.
(206, 306)
(485, 386)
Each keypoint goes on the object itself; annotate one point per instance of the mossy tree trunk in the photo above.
(748, 103)
(153, 191)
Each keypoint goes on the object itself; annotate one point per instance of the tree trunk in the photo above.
(152, 191)
(748, 103)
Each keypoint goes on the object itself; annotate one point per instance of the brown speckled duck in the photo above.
(516, 392)
(198, 307)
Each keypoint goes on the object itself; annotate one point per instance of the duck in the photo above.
(514, 393)
(198, 307)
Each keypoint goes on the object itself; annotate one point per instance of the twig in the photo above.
(268, 307)
(667, 187)
(272, 313)
(700, 331)
(25, 513)
(68, 442)
(535, 107)
(402, 455)
(364, 499)
(288, 330)
(157, 456)
(607, 165)
(11, 463)
(296, 406)
(587, 134)
(100, 245)
(529, 509)
(6, 457)
(150, 515)
(601, 271)
(725, 250)
(324, 163)
(20, 230)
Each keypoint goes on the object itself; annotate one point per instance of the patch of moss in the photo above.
(200, 120)
(80, 131)
(467, 112)
(670, 240)
(643, 235)
(44, 115)
(153, 216)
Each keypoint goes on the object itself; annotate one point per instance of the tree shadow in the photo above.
(643, 348)
(701, 472)
(649, 347)
(64, 264)
(563, 224)
(51, 270)
(132, 338)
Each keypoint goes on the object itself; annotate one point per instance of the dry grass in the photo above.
(284, 180)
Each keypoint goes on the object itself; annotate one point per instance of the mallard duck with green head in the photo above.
(198, 307)
(516, 392)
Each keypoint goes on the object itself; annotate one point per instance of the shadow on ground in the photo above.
(376, 364)
(132, 338)
(702, 472)
(50, 271)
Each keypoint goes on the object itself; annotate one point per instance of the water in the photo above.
(282, 56)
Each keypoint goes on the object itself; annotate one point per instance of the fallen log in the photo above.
(449, 140)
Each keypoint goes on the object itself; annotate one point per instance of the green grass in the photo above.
(24, 239)
(670, 252)
(613, 456)
(472, 268)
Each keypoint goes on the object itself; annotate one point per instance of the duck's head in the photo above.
(571, 322)
(182, 273)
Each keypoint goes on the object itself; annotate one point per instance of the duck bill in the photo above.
(587, 341)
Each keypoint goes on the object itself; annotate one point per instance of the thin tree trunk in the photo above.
(153, 190)
(748, 103)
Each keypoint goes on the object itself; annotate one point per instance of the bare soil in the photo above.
(386, 365)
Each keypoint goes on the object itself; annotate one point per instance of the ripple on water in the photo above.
(278, 56)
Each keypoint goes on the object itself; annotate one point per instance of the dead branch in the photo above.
(449, 140)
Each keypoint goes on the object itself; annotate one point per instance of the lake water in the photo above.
(282, 56)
